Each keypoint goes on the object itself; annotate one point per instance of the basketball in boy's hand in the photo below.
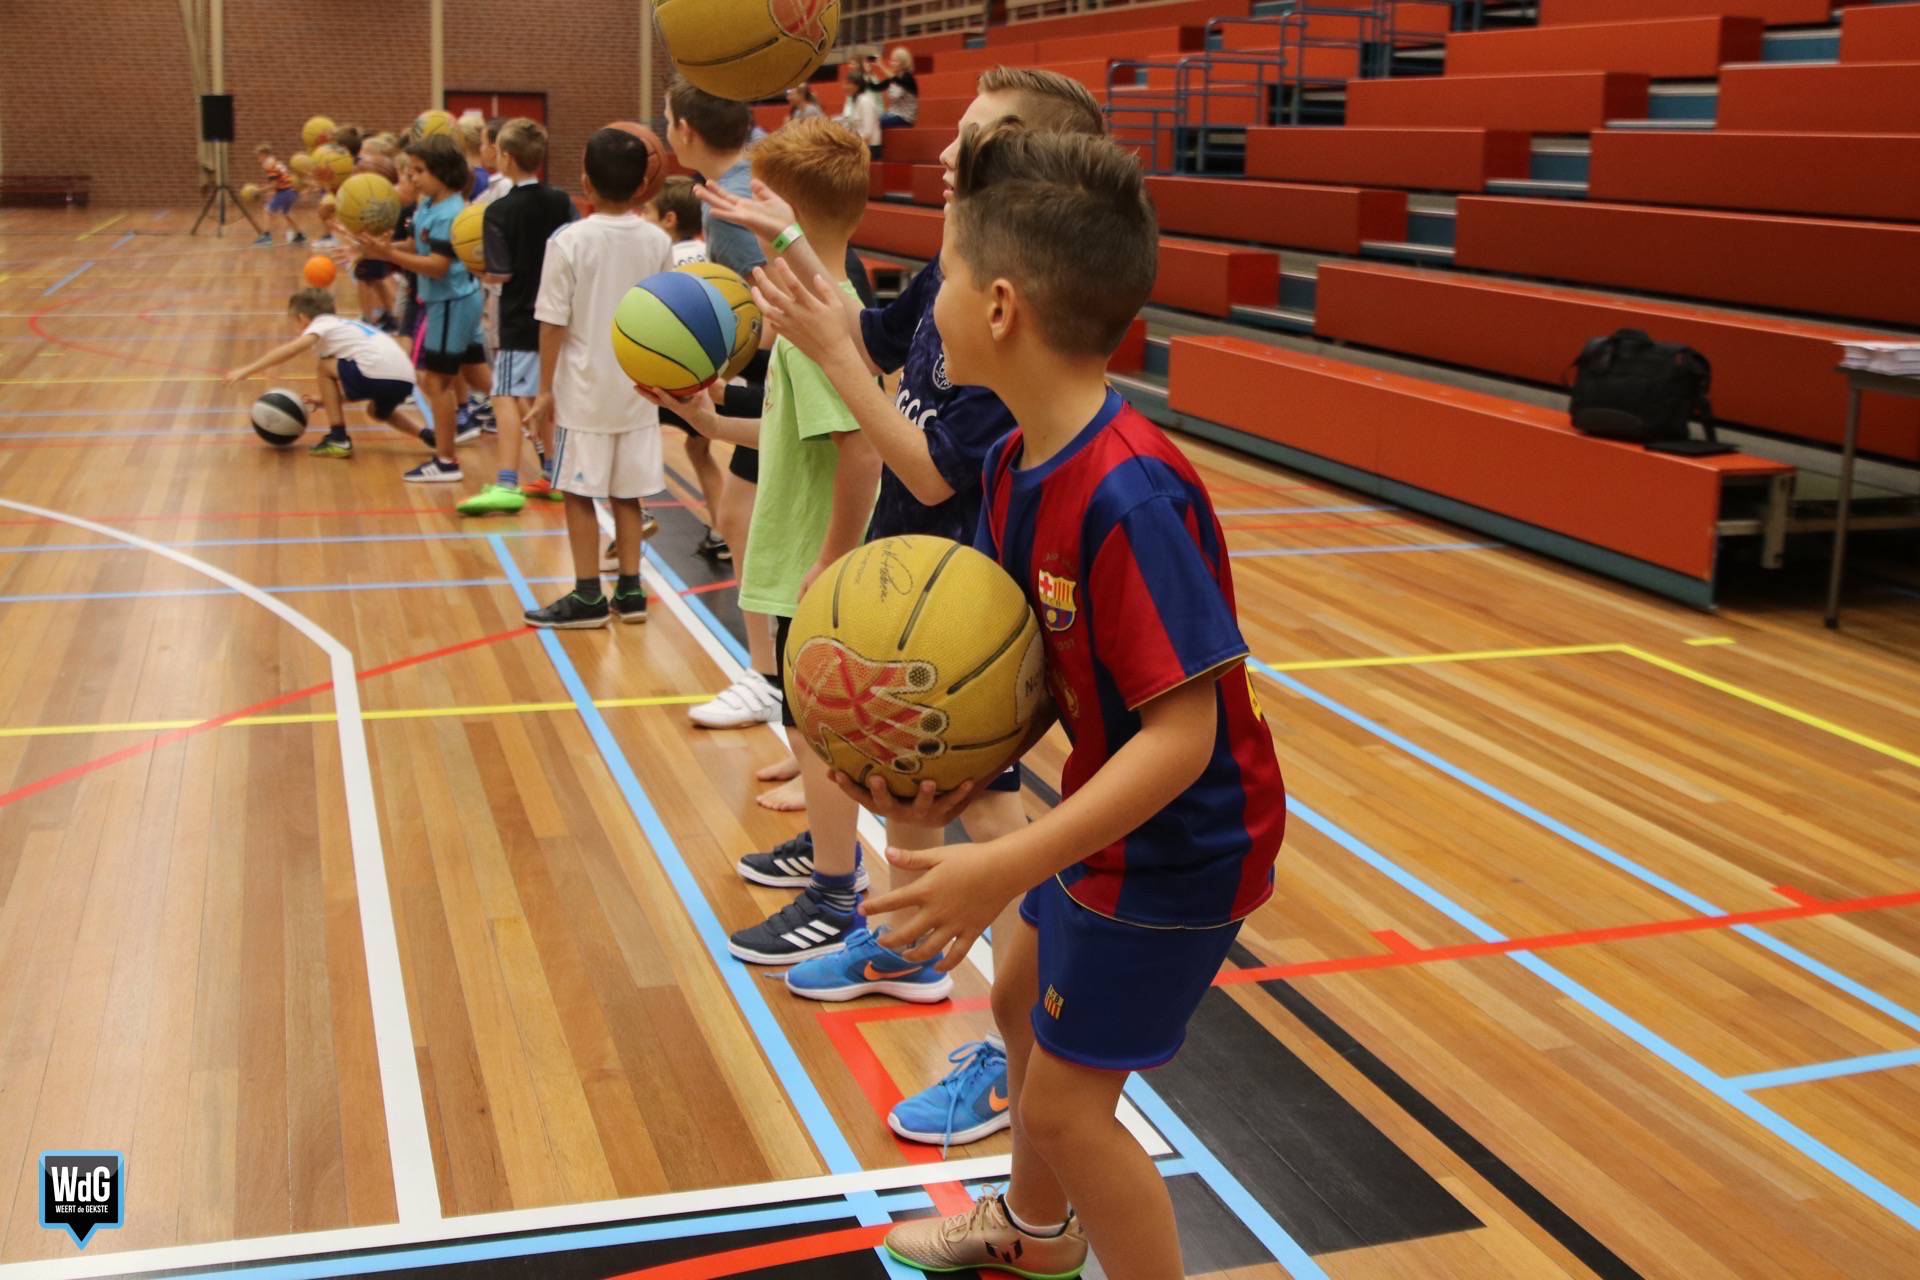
(367, 203)
(319, 271)
(331, 164)
(428, 123)
(469, 237)
(315, 131)
(673, 332)
(278, 417)
(656, 160)
(300, 162)
(918, 659)
(250, 193)
(747, 320)
(747, 49)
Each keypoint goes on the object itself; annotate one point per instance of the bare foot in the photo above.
(788, 797)
(788, 768)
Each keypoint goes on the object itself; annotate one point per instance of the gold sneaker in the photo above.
(986, 1237)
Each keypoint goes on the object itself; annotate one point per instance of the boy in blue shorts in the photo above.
(280, 203)
(451, 303)
(355, 363)
(1173, 811)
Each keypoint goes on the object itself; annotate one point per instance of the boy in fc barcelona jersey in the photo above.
(1135, 886)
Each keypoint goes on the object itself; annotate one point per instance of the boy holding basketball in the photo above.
(933, 435)
(606, 439)
(818, 477)
(280, 203)
(1133, 889)
(518, 226)
(449, 297)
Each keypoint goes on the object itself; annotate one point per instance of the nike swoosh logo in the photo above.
(883, 975)
(996, 1101)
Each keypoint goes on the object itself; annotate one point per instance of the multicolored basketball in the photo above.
(367, 203)
(428, 123)
(747, 49)
(918, 659)
(747, 321)
(673, 332)
(332, 165)
(470, 237)
(315, 131)
(278, 417)
(656, 160)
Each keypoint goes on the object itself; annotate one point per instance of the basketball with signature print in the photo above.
(747, 50)
(916, 658)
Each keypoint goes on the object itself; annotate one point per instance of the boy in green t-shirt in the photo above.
(818, 481)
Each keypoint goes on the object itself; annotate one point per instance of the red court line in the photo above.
(279, 700)
(704, 587)
(244, 515)
(34, 323)
(759, 1257)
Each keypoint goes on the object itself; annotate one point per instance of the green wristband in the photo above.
(785, 240)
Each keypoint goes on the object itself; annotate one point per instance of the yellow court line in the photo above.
(1424, 659)
(1702, 641)
(327, 717)
(102, 227)
(1778, 708)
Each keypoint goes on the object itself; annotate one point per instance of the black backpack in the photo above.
(1629, 387)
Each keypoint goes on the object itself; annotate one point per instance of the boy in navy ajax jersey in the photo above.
(1133, 889)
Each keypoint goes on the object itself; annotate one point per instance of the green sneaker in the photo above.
(493, 500)
(331, 448)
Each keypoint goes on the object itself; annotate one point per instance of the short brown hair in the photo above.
(1066, 219)
(723, 124)
(676, 197)
(311, 303)
(264, 149)
(820, 168)
(442, 158)
(348, 138)
(1048, 101)
(526, 141)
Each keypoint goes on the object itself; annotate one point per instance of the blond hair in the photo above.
(820, 168)
(1047, 101)
(526, 141)
(472, 129)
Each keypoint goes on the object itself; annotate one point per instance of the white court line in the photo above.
(980, 955)
(549, 1218)
(415, 1189)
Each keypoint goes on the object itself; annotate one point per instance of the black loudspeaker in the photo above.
(216, 117)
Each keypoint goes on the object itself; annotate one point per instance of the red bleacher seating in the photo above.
(1855, 175)
(928, 184)
(914, 146)
(1861, 97)
(1777, 13)
(1131, 355)
(1518, 460)
(894, 228)
(942, 113)
(1672, 48)
(1768, 372)
(1334, 219)
(1881, 33)
(1562, 102)
(1413, 159)
(1091, 72)
(1188, 13)
(1861, 270)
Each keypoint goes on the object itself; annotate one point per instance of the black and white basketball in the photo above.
(278, 417)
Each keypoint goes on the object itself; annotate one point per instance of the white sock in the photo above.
(1027, 1228)
(993, 1038)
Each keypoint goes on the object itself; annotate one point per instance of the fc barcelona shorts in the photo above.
(1116, 996)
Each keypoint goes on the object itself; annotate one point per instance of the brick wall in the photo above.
(109, 92)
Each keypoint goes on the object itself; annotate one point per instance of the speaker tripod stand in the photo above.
(219, 191)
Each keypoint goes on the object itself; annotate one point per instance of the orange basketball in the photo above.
(319, 271)
(656, 160)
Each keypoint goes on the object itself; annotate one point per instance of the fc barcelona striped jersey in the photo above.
(1115, 542)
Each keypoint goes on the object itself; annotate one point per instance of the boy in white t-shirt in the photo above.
(606, 440)
(356, 362)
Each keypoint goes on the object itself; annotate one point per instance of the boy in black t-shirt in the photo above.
(518, 226)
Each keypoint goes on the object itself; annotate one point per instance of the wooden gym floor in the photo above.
(359, 918)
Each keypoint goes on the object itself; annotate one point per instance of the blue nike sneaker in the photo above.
(865, 968)
(968, 1105)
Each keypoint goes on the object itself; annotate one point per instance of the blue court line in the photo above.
(1753, 933)
(117, 243)
(1827, 1070)
(436, 535)
(699, 606)
(303, 588)
(124, 435)
(1727, 1091)
(111, 413)
(793, 1077)
(1363, 551)
(59, 284)
(205, 335)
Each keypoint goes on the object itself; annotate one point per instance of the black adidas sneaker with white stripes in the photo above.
(789, 865)
(804, 928)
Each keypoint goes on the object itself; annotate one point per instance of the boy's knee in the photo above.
(1012, 1013)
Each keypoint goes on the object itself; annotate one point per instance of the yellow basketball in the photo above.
(470, 237)
(747, 49)
(916, 658)
(251, 193)
(428, 123)
(300, 162)
(746, 315)
(367, 202)
(315, 131)
(332, 164)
